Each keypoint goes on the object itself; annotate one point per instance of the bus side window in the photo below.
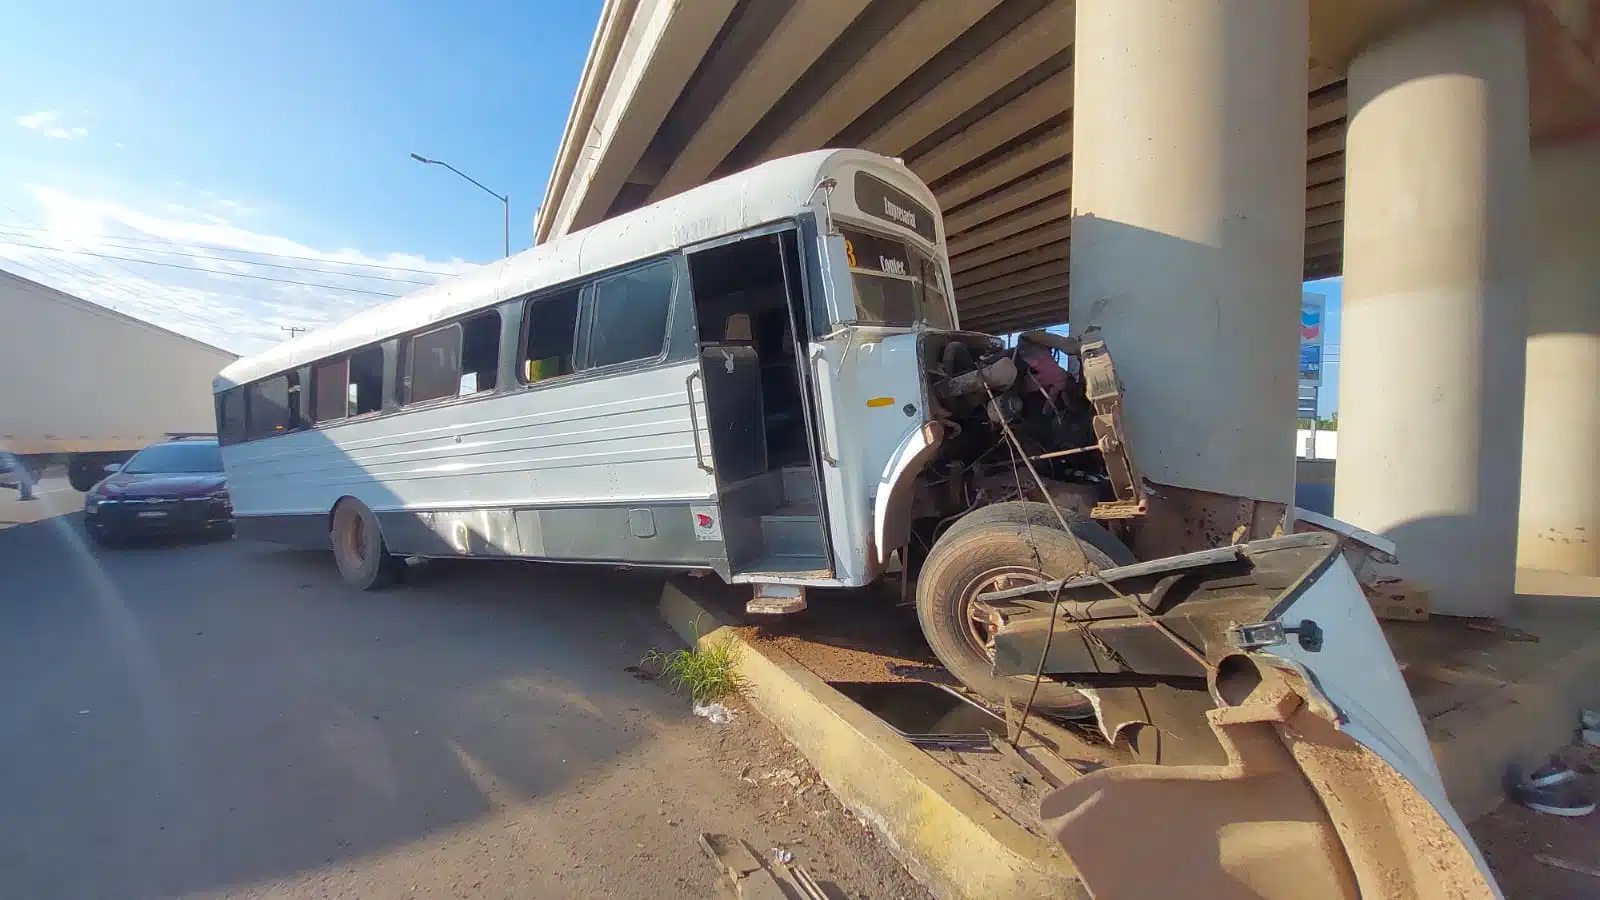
(366, 381)
(628, 317)
(267, 408)
(434, 365)
(330, 388)
(480, 353)
(230, 417)
(550, 333)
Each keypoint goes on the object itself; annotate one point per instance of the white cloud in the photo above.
(44, 123)
(38, 120)
(214, 304)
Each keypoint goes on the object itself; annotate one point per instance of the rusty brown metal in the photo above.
(1104, 392)
(1183, 520)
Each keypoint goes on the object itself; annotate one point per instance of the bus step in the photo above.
(786, 534)
(788, 566)
(799, 485)
(776, 599)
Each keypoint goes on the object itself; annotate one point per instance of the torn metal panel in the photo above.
(1103, 389)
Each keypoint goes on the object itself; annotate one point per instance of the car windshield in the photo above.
(175, 459)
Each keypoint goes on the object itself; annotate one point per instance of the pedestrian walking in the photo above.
(9, 462)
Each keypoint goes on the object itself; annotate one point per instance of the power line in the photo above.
(203, 246)
(151, 262)
(239, 262)
(94, 279)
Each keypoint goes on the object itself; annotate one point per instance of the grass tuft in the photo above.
(707, 671)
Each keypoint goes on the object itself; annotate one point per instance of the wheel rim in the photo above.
(979, 626)
(355, 539)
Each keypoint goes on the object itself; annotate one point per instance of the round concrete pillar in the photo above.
(1560, 526)
(1188, 194)
(1434, 309)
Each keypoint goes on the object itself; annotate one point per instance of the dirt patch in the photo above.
(800, 814)
(861, 634)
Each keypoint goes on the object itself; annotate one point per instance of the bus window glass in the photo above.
(935, 307)
(628, 316)
(267, 408)
(366, 381)
(886, 285)
(230, 417)
(480, 353)
(435, 365)
(330, 390)
(552, 325)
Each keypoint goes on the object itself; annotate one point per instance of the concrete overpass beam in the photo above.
(664, 43)
(1560, 522)
(805, 32)
(925, 31)
(1043, 35)
(1434, 312)
(1053, 145)
(1189, 192)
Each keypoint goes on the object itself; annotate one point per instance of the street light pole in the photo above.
(503, 198)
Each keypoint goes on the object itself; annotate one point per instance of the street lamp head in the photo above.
(421, 159)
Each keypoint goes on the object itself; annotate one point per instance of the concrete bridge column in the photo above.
(1434, 311)
(1188, 193)
(1560, 527)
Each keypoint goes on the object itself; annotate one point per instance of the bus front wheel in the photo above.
(992, 556)
(358, 548)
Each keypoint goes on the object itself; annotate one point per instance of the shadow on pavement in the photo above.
(183, 718)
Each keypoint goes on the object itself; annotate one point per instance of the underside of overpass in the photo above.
(975, 95)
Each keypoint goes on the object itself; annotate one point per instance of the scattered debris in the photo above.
(928, 715)
(782, 856)
(1559, 863)
(639, 673)
(750, 880)
(715, 713)
(1553, 790)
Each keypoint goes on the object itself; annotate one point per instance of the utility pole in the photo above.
(294, 330)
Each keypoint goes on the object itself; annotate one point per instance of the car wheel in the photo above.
(358, 548)
(995, 555)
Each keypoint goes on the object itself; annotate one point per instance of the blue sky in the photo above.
(281, 127)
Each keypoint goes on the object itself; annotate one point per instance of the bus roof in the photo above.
(765, 193)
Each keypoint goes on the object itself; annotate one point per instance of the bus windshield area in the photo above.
(895, 284)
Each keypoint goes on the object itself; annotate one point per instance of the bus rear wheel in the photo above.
(364, 560)
(989, 556)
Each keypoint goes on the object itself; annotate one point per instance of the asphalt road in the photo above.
(228, 719)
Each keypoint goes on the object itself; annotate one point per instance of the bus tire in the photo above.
(358, 548)
(990, 556)
(1040, 515)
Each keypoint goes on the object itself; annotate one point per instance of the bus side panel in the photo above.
(607, 468)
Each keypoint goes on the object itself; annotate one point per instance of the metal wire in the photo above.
(1093, 570)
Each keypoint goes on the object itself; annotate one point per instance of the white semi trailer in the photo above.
(80, 381)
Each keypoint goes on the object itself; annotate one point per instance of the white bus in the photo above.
(759, 377)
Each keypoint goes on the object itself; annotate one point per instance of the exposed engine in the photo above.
(1041, 389)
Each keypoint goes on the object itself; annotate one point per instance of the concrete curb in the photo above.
(945, 832)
